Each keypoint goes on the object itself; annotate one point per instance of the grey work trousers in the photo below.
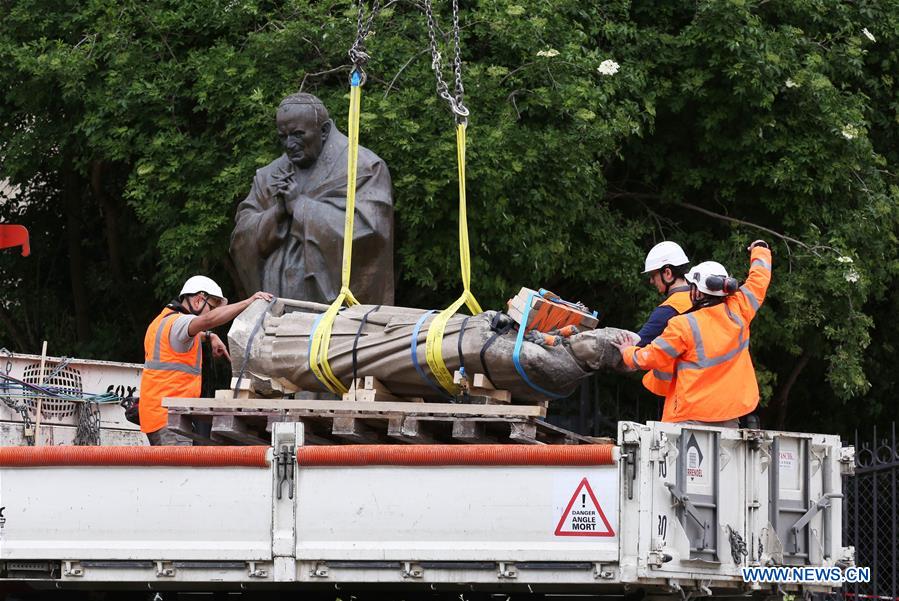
(165, 437)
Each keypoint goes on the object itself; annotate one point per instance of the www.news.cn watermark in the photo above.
(807, 575)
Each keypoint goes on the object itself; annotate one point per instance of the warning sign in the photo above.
(583, 516)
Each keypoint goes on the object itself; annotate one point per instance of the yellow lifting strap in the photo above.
(434, 346)
(321, 335)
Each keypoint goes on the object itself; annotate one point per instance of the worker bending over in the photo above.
(704, 353)
(666, 263)
(173, 353)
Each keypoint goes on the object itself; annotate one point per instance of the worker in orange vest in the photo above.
(173, 352)
(705, 352)
(667, 264)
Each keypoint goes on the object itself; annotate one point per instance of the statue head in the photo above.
(303, 126)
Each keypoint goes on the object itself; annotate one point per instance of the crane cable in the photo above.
(433, 347)
(321, 334)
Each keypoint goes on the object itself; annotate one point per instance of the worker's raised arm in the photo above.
(660, 354)
(752, 293)
(223, 314)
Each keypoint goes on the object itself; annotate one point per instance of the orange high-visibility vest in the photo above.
(658, 381)
(166, 373)
(708, 353)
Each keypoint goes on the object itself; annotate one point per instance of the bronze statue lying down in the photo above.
(278, 338)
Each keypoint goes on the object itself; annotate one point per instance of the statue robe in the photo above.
(300, 256)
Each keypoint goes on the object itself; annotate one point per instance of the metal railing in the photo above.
(870, 520)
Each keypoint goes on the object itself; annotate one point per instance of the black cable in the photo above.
(246, 355)
(356, 339)
(498, 331)
(459, 345)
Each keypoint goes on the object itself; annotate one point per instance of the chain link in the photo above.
(737, 546)
(20, 406)
(88, 431)
(358, 56)
(456, 102)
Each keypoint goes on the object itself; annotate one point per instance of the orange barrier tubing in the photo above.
(63, 456)
(486, 454)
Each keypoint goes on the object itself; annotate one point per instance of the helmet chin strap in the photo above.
(197, 312)
(668, 284)
(704, 300)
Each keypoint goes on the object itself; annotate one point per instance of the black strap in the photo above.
(246, 355)
(459, 346)
(176, 307)
(498, 331)
(356, 339)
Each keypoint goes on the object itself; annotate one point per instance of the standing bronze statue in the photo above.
(288, 237)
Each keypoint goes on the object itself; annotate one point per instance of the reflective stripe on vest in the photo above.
(663, 344)
(751, 297)
(665, 376)
(761, 262)
(155, 363)
(702, 361)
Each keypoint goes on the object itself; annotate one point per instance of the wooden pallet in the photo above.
(250, 421)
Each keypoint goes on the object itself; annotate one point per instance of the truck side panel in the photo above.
(132, 513)
(458, 513)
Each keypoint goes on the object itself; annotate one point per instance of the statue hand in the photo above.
(285, 189)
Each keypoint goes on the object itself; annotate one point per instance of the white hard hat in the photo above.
(200, 283)
(665, 253)
(699, 274)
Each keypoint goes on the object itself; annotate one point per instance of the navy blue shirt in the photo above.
(656, 323)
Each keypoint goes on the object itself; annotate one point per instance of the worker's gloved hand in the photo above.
(757, 243)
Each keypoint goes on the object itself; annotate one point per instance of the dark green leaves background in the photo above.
(131, 129)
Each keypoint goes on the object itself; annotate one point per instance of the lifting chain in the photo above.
(88, 431)
(20, 406)
(456, 102)
(358, 56)
(737, 546)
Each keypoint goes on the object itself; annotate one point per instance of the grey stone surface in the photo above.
(278, 358)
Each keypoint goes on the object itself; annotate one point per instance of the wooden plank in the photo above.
(449, 409)
(244, 391)
(482, 381)
(352, 429)
(479, 386)
(569, 437)
(471, 432)
(523, 432)
(408, 429)
(369, 396)
(234, 428)
(493, 396)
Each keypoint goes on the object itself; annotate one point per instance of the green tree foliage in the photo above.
(131, 129)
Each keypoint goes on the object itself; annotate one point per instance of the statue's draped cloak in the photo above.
(270, 347)
(302, 258)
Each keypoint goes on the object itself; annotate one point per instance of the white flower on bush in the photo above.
(844, 259)
(851, 276)
(849, 131)
(548, 53)
(868, 34)
(608, 67)
(791, 84)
